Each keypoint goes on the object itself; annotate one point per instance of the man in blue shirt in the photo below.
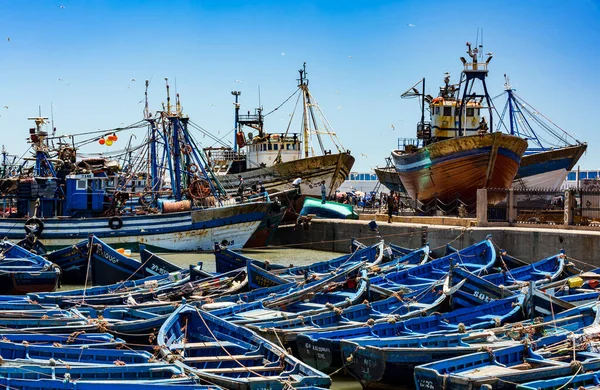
(323, 192)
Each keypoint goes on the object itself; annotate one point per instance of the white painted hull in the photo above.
(551, 179)
(180, 231)
(194, 240)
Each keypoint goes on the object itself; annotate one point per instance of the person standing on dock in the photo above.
(391, 200)
(323, 192)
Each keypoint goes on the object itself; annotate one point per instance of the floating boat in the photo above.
(229, 355)
(478, 258)
(226, 260)
(322, 350)
(23, 272)
(392, 360)
(62, 200)
(455, 154)
(549, 357)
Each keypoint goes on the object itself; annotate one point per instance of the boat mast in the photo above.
(303, 85)
(423, 105)
(236, 119)
(175, 127)
(511, 110)
(153, 157)
(473, 71)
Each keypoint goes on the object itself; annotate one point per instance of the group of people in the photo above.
(254, 189)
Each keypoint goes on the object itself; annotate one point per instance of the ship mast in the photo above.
(473, 71)
(303, 85)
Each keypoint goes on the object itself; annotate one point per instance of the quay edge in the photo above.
(526, 243)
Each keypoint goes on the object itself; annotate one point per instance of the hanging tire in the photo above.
(34, 226)
(115, 223)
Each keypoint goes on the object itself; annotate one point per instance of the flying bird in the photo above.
(6, 107)
(282, 53)
(364, 155)
(238, 81)
(8, 39)
(411, 25)
(61, 6)
(349, 56)
(393, 127)
(133, 80)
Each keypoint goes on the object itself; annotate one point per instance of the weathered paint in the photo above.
(461, 165)
(333, 168)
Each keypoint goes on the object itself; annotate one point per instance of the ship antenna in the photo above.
(168, 97)
(146, 109)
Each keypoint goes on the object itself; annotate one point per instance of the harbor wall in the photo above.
(526, 243)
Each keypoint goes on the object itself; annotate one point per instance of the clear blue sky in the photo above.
(361, 55)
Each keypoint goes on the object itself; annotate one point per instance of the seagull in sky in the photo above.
(411, 25)
(59, 79)
(61, 6)
(238, 81)
(282, 53)
(133, 80)
(6, 107)
(349, 56)
(393, 127)
(8, 39)
(364, 155)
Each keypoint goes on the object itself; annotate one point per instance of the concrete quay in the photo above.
(529, 243)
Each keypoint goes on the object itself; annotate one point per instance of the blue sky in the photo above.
(81, 56)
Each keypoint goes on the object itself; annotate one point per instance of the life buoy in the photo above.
(34, 226)
(241, 141)
(192, 168)
(438, 100)
(187, 149)
(115, 223)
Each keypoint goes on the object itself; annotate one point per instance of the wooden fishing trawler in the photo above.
(61, 200)
(455, 153)
(275, 160)
(543, 165)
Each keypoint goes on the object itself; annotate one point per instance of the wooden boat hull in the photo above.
(29, 282)
(390, 179)
(458, 167)
(333, 168)
(547, 169)
(181, 231)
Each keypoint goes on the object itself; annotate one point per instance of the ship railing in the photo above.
(538, 206)
(412, 142)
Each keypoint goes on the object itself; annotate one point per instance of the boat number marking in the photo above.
(481, 296)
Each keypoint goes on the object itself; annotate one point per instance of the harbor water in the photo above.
(285, 256)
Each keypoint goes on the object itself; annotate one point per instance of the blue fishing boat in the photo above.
(392, 360)
(230, 355)
(128, 374)
(478, 258)
(395, 308)
(322, 350)
(62, 384)
(549, 357)
(22, 272)
(13, 353)
(226, 260)
(583, 381)
(62, 200)
(93, 261)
